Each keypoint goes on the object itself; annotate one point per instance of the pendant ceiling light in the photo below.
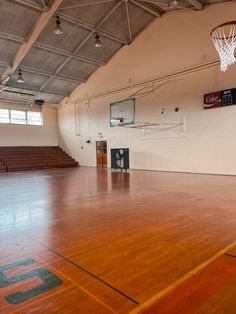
(20, 77)
(97, 42)
(58, 29)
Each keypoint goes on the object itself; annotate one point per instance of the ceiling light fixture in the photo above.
(20, 77)
(173, 4)
(97, 42)
(58, 29)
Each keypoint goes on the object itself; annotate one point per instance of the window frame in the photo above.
(9, 120)
(26, 117)
(41, 118)
(18, 119)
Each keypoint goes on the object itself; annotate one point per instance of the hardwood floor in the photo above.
(91, 241)
(212, 290)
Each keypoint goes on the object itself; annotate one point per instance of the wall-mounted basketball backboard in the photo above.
(122, 112)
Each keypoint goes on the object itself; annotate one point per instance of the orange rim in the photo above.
(222, 25)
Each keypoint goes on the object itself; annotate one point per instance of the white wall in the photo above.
(172, 43)
(26, 135)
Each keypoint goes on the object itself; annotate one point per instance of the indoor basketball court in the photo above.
(117, 156)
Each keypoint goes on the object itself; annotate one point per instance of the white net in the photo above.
(224, 39)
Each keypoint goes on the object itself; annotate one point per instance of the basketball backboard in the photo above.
(122, 112)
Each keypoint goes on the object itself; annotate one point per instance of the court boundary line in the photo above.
(64, 276)
(87, 272)
(147, 304)
(42, 299)
(79, 286)
(186, 172)
(230, 255)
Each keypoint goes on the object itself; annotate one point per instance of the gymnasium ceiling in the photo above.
(53, 65)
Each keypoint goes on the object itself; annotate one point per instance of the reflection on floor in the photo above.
(92, 241)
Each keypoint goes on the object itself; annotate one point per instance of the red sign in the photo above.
(212, 100)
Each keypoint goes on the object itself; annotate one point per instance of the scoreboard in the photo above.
(222, 98)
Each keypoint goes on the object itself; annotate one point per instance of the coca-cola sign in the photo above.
(220, 98)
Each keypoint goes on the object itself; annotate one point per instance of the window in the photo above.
(34, 118)
(18, 117)
(4, 116)
(21, 117)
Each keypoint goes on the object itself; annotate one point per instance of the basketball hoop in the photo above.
(118, 120)
(224, 39)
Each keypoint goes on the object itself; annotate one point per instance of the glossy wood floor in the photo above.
(91, 241)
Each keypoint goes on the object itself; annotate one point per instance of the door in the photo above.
(101, 147)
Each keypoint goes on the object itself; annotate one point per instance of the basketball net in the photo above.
(224, 39)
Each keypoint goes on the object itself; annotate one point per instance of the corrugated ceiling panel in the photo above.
(72, 36)
(60, 86)
(43, 60)
(16, 19)
(91, 14)
(78, 69)
(103, 54)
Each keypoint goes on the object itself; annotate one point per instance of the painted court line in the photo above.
(74, 284)
(230, 255)
(162, 293)
(88, 272)
(41, 299)
(80, 287)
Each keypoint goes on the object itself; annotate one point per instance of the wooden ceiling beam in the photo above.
(33, 36)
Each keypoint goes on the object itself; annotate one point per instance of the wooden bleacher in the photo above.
(34, 157)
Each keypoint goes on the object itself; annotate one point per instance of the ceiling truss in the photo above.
(33, 5)
(47, 9)
(85, 4)
(76, 21)
(44, 47)
(128, 20)
(41, 73)
(89, 27)
(146, 8)
(81, 44)
(196, 4)
(26, 46)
